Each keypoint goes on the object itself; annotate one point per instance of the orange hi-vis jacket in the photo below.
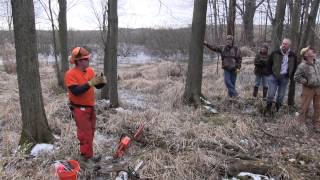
(75, 76)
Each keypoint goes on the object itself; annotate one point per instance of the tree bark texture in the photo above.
(231, 17)
(112, 67)
(277, 24)
(306, 36)
(55, 51)
(247, 18)
(294, 24)
(35, 128)
(194, 75)
(63, 37)
(105, 35)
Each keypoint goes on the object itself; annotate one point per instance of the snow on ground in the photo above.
(39, 149)
(139, 58)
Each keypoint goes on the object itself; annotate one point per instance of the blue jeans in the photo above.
(261, 79)
(230, 78)
(279, 86)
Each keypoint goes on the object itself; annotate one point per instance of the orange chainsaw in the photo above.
(125, 141)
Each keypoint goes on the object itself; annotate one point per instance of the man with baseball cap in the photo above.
(308, 74)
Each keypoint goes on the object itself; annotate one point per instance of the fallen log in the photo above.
(256, 167)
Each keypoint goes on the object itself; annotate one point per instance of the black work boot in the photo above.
(255, 91)
(278, 105)
(265, 91)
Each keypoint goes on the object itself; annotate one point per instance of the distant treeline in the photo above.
(163, 42)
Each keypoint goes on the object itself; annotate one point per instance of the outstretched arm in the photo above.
(212, 48)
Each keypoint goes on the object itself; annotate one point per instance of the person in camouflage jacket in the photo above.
(261, 71)
(231, 63)
(308, 74)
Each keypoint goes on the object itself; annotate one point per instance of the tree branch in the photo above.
(240, 9)
(259, 4)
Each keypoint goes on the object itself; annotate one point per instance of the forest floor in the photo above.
(180, 142)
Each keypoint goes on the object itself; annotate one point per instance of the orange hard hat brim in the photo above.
(72, 60)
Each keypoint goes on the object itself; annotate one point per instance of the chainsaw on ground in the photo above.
(126, 140)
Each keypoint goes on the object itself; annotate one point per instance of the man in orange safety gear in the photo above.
(80, 81)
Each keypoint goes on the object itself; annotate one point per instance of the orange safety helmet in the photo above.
(79, 53)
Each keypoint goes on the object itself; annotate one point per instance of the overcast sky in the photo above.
(131, 13)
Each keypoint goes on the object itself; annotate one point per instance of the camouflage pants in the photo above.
(308, 95)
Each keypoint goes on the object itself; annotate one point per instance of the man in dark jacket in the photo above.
(261, 71)
(283, 63)
(231, 63)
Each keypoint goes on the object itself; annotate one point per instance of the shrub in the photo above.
(8, 59)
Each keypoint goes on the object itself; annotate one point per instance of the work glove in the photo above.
(94, 81)
(101, 79)
(237, 71)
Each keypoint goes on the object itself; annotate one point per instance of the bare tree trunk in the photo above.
(216, 34)
(231, 17)
(295, 21)
(306, 36)
(247, 18)
(112, 78)
(35, 128)
(55, 51)
(221, 24)
(277, 24)
(266, 27)
(63, 39)
(194, 75)
(214, 21)
(105, 32)
(295, 8)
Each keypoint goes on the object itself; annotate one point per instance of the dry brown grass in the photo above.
(181, 142)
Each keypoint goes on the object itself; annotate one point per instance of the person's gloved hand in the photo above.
(205, 43)
(93, 81)
(101, 79)
(237, 71)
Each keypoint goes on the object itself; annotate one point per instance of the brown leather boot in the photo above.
(255, 91)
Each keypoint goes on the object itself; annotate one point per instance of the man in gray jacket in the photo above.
(308, 74)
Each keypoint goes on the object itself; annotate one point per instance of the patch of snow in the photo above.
(56, 137)
(103, 102)
(39, 149)
(123, 175)
(46, 58)
(120, 109)
(252, 176)
(210, 109)
(244, 141)
(140, 58)
(132, 98)
(108, 158)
